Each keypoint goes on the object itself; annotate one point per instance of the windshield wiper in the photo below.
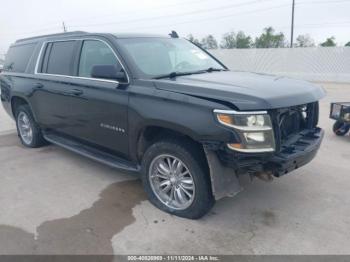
(213, 69)
(209, 70)
(174, 74)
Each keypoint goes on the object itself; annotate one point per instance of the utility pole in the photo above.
(64, 27)
(292, 29)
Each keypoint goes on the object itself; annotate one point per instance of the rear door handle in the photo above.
(76, 92)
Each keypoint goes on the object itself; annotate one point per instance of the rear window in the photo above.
(60, 58)
(18, 58)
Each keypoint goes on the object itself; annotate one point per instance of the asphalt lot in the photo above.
(55, 202)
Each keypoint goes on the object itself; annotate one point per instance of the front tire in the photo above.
(176, 179)
(28, 130)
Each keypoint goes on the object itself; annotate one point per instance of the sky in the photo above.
(319, 18)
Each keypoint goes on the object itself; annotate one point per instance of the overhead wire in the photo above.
(200, 11)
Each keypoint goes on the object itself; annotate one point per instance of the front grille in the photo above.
(292, 120)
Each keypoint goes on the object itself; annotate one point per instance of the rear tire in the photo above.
(340, 128)
(182, 188)
(28, 130)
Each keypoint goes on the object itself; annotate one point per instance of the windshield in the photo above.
(160, 56)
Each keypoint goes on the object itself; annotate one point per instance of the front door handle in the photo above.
(39, 85)
(76, 92)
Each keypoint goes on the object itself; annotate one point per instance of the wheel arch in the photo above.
(151, 133)
(18, 101)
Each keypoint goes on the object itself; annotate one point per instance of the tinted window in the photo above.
(61, 58)
(18, 57)
(96, 53)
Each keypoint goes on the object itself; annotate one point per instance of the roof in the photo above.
(80, 33)
(51, 35)
(136, 35)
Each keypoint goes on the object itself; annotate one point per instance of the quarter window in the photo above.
(96, 53)
(18, 58)
(60, 59)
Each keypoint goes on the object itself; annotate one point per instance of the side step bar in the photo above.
(92, 153)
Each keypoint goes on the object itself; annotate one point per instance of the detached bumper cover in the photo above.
(224, 180)
(296, 153)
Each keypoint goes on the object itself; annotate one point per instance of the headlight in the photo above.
(254, 129)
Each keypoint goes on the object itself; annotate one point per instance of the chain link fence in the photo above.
(323, 64)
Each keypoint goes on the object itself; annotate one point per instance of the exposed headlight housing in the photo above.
(254, 129)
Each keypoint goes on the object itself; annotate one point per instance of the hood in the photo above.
(245, 90)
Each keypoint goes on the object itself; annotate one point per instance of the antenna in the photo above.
(173, 34)
(292, 26)
(64, 27)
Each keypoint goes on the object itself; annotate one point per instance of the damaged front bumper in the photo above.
(298, 152)
(226, 167)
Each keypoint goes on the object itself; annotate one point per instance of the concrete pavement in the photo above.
(56, 202)
(6, 122)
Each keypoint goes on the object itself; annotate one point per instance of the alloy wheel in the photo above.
(172, 182)
(25, 128)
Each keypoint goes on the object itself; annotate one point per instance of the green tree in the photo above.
(209, 42)
(232, 40)
(243, 41)
(268, 39)
(329, 42)
(347, 44)
(191, 38)
(305, 41)
(229, 41)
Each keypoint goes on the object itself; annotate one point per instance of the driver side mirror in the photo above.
(108, 72)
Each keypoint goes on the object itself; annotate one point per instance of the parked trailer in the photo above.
(341, 113)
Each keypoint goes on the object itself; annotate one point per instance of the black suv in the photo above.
(163, 107)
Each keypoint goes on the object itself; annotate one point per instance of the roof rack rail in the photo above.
(50, 35)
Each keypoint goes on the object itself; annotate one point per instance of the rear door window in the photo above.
(60, 58)
(18, 58)
(94, 53)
